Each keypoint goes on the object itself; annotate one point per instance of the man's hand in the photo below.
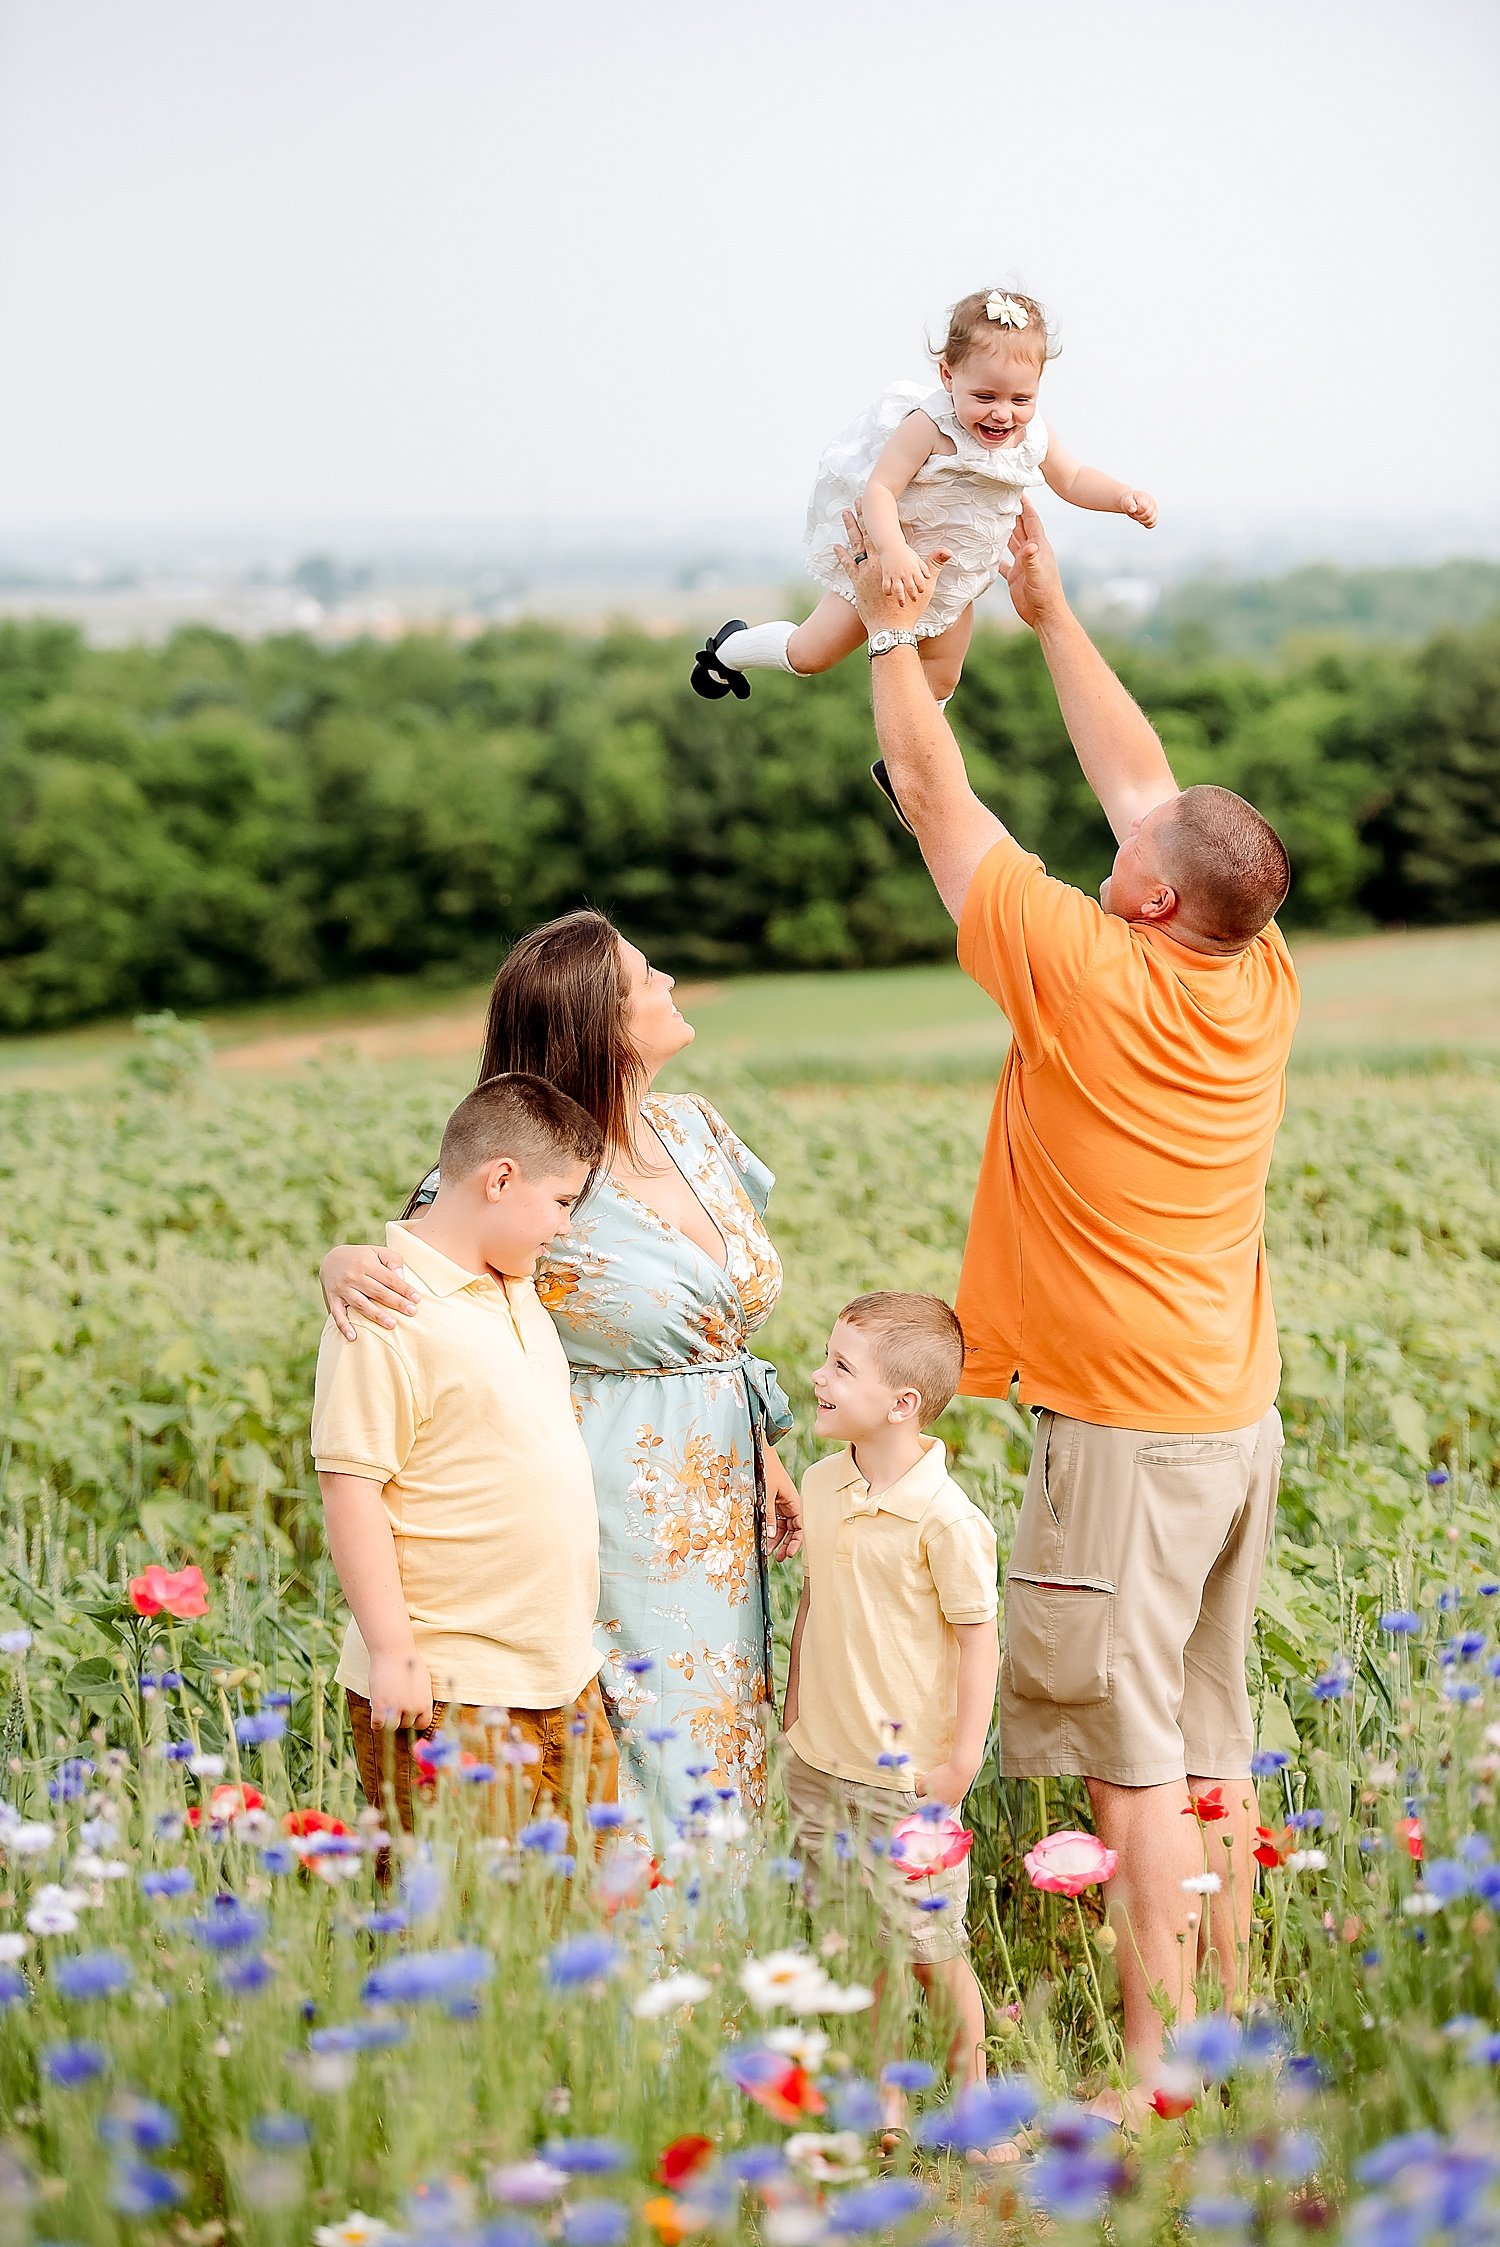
(945, 1782)
(1141, 508)
(400, 1692)
(1035, 585)
(879, 609)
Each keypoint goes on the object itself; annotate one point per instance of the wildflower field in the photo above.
(216, 2023)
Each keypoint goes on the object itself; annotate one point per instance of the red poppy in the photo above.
(183, 1593)
(1170, 2105)
(787, 2094)
(1208, 1808)
(227, 1802)
(682, 2159)
(1272, 1849)
(298, 1822)
(1410, 1830)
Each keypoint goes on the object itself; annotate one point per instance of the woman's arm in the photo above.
(978, 1676)
(786, 1504)
(903, 572)
(790, 1705)
(371, 1281)
(363, 1551)
(1090, 487)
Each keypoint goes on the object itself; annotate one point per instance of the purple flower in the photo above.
(1221, 2212)
(661, 1734)
(92, 1974)
(1334, 1683)
(547, 1834)
(584, 1958)
(1212, 2045)
(908, 2075)
(277, 1701)
(604, 1817)
(68, 2065)
(786, 1868)
(13, 1987)
(178, 1751)
(855, 2104)
(639, 1665)
(981, 2115)
(245, 1975)
(425, 1977)
(1413, 2149)
(1266, 1760)
(1437, 1478)
(1447, 1879)
(875, 2207)
(585, 2157)
(136, 2189)
(1305, 1821)
(1073, 2182)
(71, 1779)
(140, 2123)
(278, 1858)
(172, 1880)
(389, 1922)
(280, 2133)
(255, 1731)
(230, 1925)
(596, 2223)
(1401, 1622)
(754, 2165)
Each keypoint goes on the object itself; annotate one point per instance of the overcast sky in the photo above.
(322, 267)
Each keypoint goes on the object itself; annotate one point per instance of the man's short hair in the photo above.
(918, 1344)
(1227, 864)
(524, 1117)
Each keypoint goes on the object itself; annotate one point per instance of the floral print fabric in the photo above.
(669, 1401)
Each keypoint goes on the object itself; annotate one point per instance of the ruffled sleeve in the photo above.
(754, 1175)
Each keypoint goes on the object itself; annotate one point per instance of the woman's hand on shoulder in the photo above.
(369, 1280)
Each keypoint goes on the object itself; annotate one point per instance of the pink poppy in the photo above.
(928, 1845)
(1067, 1863)
(182, 1593)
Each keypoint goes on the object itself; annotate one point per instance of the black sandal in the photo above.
(882, 780)
(712, 679)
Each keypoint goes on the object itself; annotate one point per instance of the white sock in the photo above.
(947, 698)
(760, 647)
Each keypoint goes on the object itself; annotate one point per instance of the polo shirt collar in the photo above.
(437, 1272)
(911, 1494)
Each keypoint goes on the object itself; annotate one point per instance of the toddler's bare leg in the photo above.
(943, 655)
(830, 633)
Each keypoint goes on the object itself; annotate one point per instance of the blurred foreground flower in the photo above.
(927, 1845)
(1066, 1863)
(786, 2091)
(159, 1590)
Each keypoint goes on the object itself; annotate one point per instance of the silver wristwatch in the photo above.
(881, 643)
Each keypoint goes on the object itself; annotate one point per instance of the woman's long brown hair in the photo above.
(558, 1010)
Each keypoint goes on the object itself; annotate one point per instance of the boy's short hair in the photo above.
(524, 1117)
(919, 1343)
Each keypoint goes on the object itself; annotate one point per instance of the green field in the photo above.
(166, 1201)
(1385, 1001)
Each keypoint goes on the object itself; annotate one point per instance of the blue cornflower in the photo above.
(1306, 2072)
(1447, 1879)
(1401, 1622)
(1334, 1682)
(278, 1858)
(424, 1884)
(1369, 1959)
(1074, 2182)
(230, 1925)
(696, 1770)
(786, 1868)
(875, 2207)
(754, 2165)
(254, 1731)
(604, 1817)
(1462, 1690)
(177, 1751)
(170, 1681)
(639, 1665)
(388, 1922)
(1485, 2050)
(1220, 2212)
(585, 2157)
(583, 1958)
(1266, 1760)
(358, 2036)
(476, 1774)
(280, 2133)
(1493, 1665)
(1211, 2044)
(140, 2123)
(1305, 1821)
(855, 2104)
(1437, 1478)
(1475, 1849)
(93, 1974)
(908, 2075)
(699, 1805)
(1296, 2158)
(136, 2189)
(14, 1989)
(1465, 1646)
(68, 2065)
(245, 1975)
(1412, 2149)
(279, 1700)
(1449, 1599)
(596, 2223)
(1487, 1587)
(71, 1779)
(660, 1735)
(981, 2115)
(549, 1834)
(423, 1976)
(171, 1880)
(508, 2231)
(893, 1759)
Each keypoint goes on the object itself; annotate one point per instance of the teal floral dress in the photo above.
(672, 1404)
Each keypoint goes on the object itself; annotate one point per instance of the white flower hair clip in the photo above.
(999, 306)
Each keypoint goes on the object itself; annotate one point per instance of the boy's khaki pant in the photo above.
(518, 1791)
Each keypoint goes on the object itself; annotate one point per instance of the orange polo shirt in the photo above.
(1116, 1255)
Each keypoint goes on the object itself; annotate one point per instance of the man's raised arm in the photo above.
(1115, 742)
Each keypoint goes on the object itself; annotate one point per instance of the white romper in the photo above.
(966, 500)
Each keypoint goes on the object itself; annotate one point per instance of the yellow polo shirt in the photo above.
(887, 1578)
(463, 1414)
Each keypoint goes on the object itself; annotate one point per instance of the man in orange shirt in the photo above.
(1116, 1266)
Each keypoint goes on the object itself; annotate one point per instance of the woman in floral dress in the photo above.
(657, 1288)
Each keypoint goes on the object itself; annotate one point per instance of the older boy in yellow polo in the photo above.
(895, 1650)
(457, 1492)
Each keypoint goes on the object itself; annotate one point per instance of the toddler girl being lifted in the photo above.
(930, 470)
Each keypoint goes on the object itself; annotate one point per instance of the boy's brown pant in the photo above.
(519, 1790)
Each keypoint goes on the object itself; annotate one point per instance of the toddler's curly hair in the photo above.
(969, 324)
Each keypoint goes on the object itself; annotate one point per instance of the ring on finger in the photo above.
(862, 556)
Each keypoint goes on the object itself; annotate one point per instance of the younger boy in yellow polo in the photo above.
(457, 1492)
(895, 1650)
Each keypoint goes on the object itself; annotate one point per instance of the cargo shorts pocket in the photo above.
(1059, 1638)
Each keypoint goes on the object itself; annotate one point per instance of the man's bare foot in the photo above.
(1127, 2110)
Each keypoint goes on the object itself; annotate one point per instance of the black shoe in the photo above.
(882, 780)
(712, 679)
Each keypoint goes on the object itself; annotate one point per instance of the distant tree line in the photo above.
(219, 819)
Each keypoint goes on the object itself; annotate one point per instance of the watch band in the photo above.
(895, 636)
